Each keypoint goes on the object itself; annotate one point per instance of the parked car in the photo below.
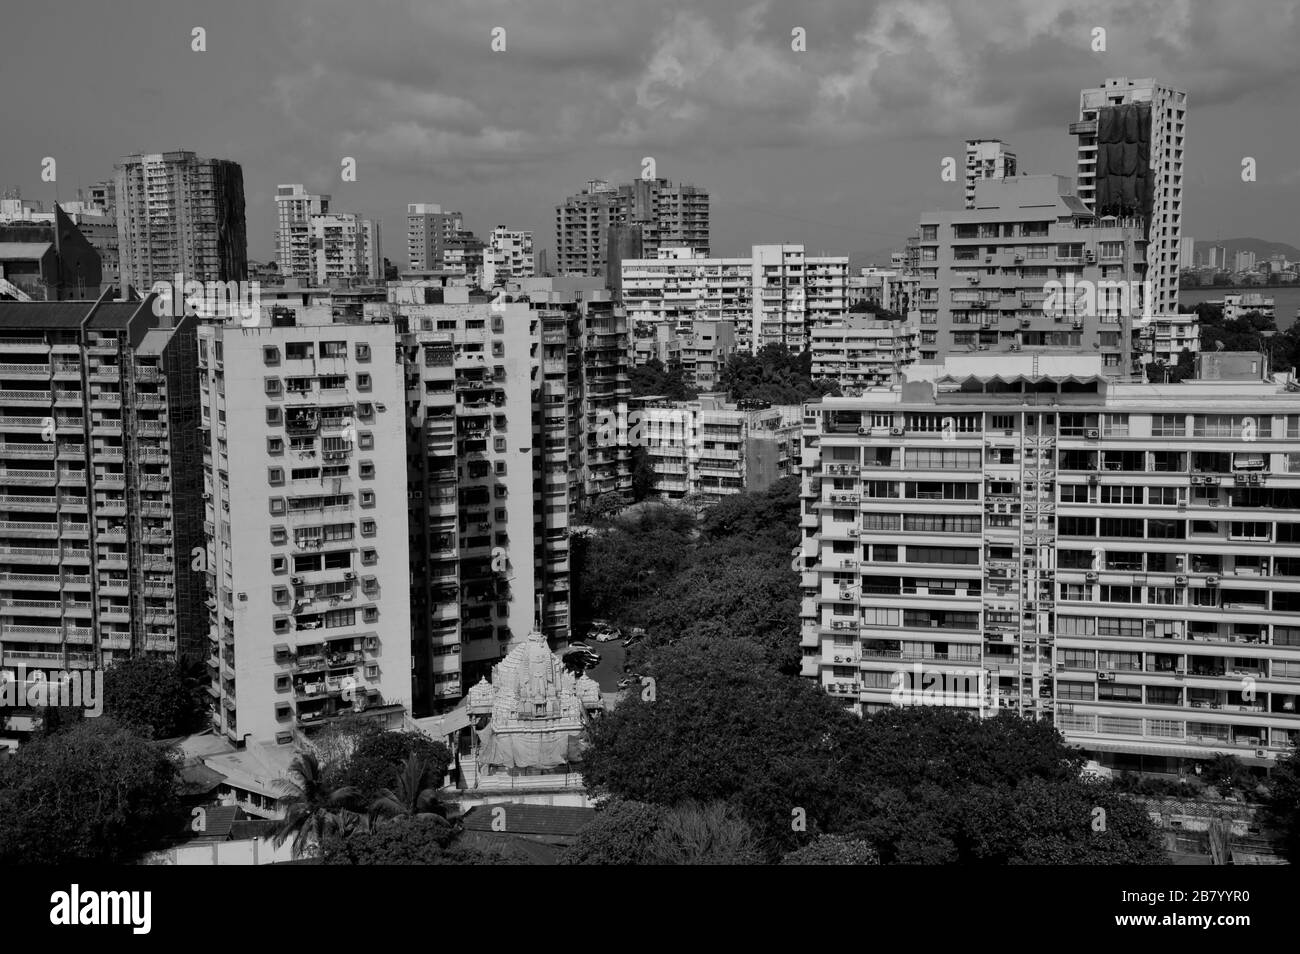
(606, 635)
(636, 636)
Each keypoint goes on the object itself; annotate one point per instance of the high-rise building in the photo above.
(775, 296)
(860, 351)
(1187, 253)
(710, 450)
(428, 230)
(1029, 269)
(179, 214)
(46, 257)
(1130, 168)
(664, 216)
(1243, 261)
(99, 464)
(986, 159)
(344, 249)
(307, 545)
(1027, 534)
(505, 405)
(294, 209)
(509, 256)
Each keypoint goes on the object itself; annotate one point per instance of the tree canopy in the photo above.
(774, 374)
(154, 696)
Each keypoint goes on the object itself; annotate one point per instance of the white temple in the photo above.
(536, 710)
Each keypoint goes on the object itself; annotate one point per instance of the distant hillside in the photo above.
(1261, 248)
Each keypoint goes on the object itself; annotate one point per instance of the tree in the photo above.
(367, 759)
(409, 840)
(712, 834)
(93, 793)
(644, 477)
(620, 834)
(833, 850)
(412, 797)
(152, 695)
(1228, 775)
(653, 379)
(313, 807)
(1282, 806)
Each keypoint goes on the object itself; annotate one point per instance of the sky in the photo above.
(839, 146)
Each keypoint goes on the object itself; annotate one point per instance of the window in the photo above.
(270, 354)
(370, 614)
(279, 536)
(273, 416)
(274, 446)
(369, 557)
(367, 469)
(272, 385)
(333, 349)
(367, 528)
(298, 350)
(367, 498)
(363, 351)
(275, 476)
(366, 440)
(281, 624)
(279, 594)
(944, 555)
(276, 505)
(363, 382)
(279, 564)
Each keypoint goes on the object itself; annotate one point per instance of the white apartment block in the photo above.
(860, 351)
(986, 276)
(986, 159)
(1238, 305)
(344, 249)
(428, 230)
(295, 208)
(1151, 196)
(775, 296)
(100, 488)
(509, 256)
(307, 557)
(1121, 559)
(709, 449)
(659, 214)
(1187, 252)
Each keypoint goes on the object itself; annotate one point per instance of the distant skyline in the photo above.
(838, 147)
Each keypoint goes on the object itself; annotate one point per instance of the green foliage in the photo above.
(644, 477)
(712, 834)
(153, 696)
(653, 379)
(1228, 776)
(370, 758)
(774, 374)
(1282, 807)
(315, 807)
(412, 796)
(833, 850)
(620, 834)
(93, 793)
(630, 561)
(402, 841)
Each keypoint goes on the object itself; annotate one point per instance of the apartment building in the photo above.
(860, 351)
(710, 449)
(774, 296)
(986, 159)
(705, 352)
(344, 249)
(505, 401)
(663, 216)
(1238, 305)
(435, 237)
(294, 209)
(1028, 534)
(48, 259)
(1187, 252)
(1030, 268)
(99, 463)
(1130, 169)
(509, 256)
(307, 561)
(178, 213)
(1162, 339)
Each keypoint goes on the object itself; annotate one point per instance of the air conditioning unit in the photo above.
(349, 575)
(381, 407)
(1090, 256)
(1256, 478)
(1103, 677)
(1015, 347)
(1091, 577)
(295, 580)
(1261, 753)
(839, 659)
(1211, 481)
(1198, 480)
(1092, 433)
(896, 431)
(864, 430)
(1180, 581)
(1078, 324)
(1018, 257)
(1180, 672)
(1211, 581)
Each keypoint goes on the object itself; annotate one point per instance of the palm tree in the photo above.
(412, 798)
(313, 808)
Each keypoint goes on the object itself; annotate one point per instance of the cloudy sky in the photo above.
(839, 146)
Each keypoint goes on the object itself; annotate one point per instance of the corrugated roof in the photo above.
(24, 251)
(59, 315)
(521, 819)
